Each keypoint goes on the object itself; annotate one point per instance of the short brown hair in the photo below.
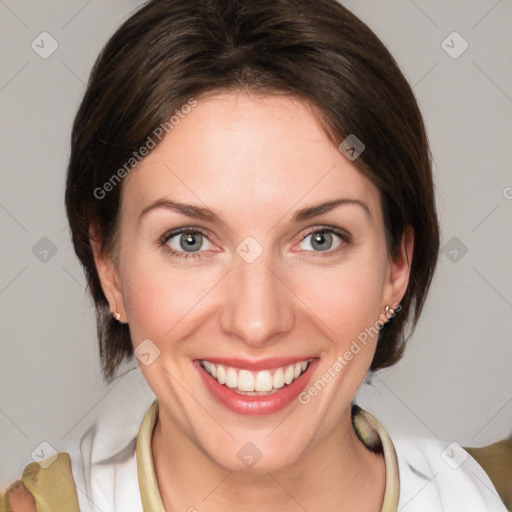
(172, 50)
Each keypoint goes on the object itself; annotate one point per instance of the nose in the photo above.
(259, 307)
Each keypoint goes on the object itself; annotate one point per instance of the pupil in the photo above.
(321, 239)
(191, 241)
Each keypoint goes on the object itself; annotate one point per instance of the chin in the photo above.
(253, 458)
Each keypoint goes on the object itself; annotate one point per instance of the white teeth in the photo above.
(221, 374)
(288, 374)
(245, 381)
(231, 378)
(264, 381)
(278, 379)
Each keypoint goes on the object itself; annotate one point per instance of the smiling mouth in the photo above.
(255, 383)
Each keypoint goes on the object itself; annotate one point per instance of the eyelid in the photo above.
(324, 227)
(185, 229)
(344, 235)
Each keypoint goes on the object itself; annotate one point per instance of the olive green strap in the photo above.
(148, 485)
(374, 436)
(53, 486)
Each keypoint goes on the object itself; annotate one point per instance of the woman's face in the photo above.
(264, 279)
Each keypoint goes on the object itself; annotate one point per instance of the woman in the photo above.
(250, 194)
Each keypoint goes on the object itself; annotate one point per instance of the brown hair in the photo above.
(172, 50)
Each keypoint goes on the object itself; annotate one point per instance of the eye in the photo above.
(323, 239)
(185, 242)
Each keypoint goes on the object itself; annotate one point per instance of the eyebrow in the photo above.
(313, 211)
(202, 213)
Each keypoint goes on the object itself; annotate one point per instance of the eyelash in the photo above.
(343, 235)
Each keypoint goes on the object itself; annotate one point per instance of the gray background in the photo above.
(455, 381)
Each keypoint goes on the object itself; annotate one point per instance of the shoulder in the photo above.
(17, 498)
(441, 475)
(496, 459)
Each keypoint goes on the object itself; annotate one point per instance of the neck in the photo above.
(337, 473)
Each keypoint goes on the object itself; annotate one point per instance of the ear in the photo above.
(399, 270)
(109, 275)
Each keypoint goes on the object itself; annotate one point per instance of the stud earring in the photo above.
(116, 315)
(389, 311)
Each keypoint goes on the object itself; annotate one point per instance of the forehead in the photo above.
(248, 152)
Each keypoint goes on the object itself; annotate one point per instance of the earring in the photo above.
(116, 315)
(389, 311)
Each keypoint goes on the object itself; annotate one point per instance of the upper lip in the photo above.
(255, 365)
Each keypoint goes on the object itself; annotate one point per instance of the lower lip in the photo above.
(256, 405)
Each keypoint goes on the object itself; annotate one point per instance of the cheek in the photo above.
(158, 297)
(347, 299)
(149, 305)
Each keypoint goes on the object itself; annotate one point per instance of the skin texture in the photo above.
(255, 160)
(20, 499)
